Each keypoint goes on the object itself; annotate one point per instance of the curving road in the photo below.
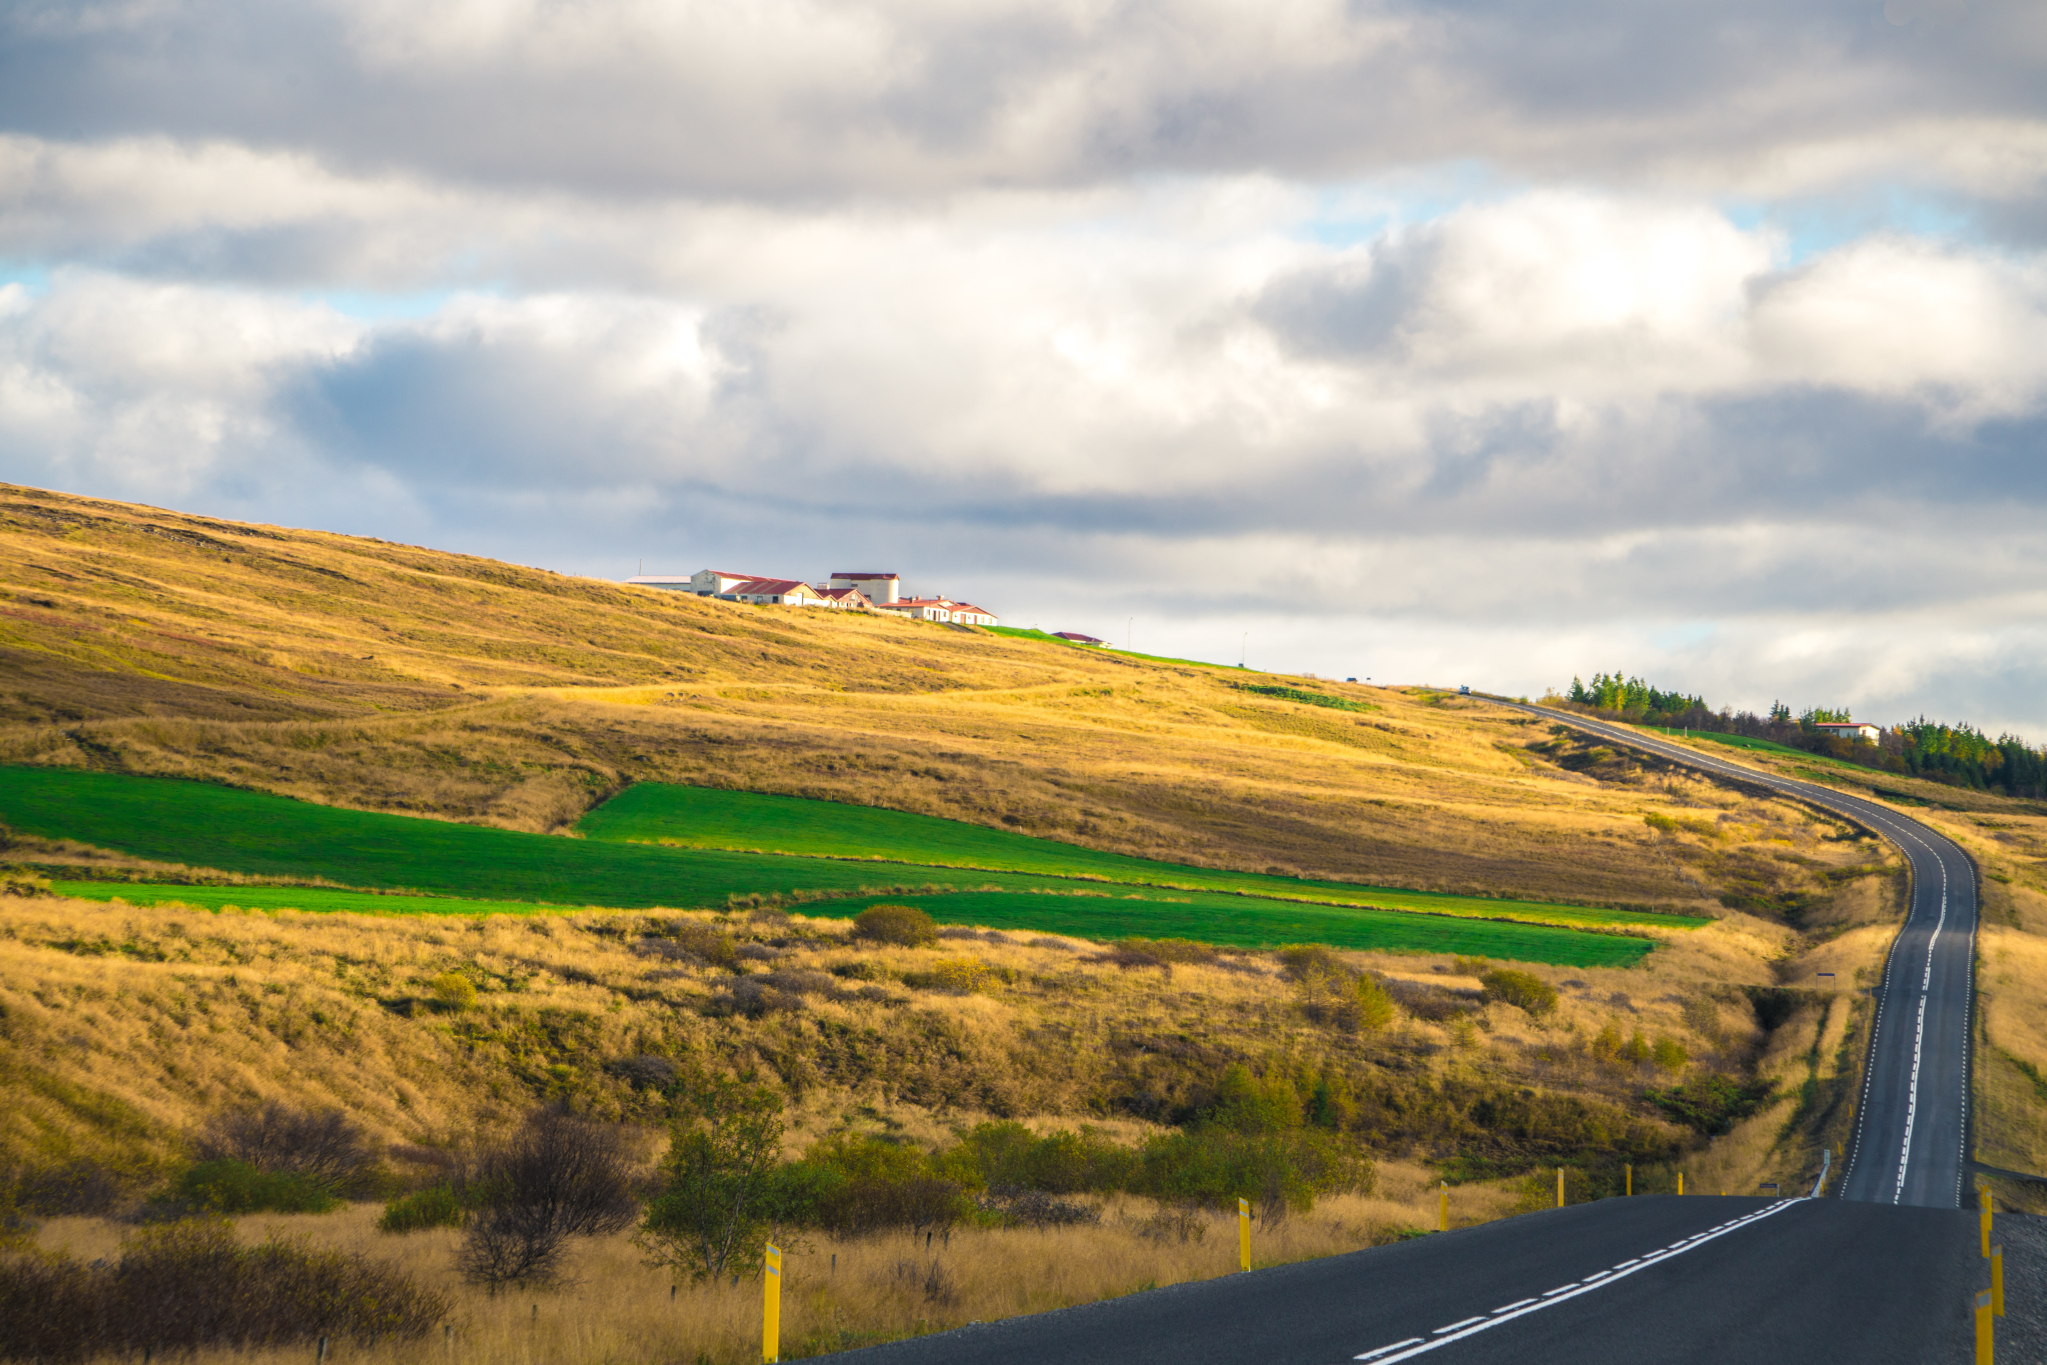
(1715, 1281)
(1912, 1122)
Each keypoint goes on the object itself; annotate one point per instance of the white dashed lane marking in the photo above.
(1457, 1331)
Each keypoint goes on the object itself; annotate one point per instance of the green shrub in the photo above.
(903, 925)
(1523, 989)
(1669, 1054)
(439, 1207)
(1282, 1171)
(856, 1185)
(1252, 1104)
(453, 991)
(1375, 1006)
(1011, 1156)
(229, 1186)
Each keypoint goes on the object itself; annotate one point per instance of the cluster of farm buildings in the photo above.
(879, 592)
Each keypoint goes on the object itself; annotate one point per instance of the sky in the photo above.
(1483, 342)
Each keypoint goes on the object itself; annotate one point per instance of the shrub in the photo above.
(692, 939)
(1669, 1054)
(1523, 989)
(1010, 1156)
(1374, 1005)
(1175, 950)
(453, 991)
(960, 975)
(1712, 1104)
(438, 1207)
(76, 1187)
(903, 925)
(1304, 961)
(188, 1286)
(859, 1185)
(557, 1177)
(229, 1186)
(1282, 1171)
(325, 1146)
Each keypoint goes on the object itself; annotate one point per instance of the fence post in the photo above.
(1244, 1234)
(771, 1307)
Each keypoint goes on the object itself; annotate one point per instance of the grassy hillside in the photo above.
(359, 673)
(254, 834)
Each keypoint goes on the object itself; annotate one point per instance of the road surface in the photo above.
(1657, 1278)
(1912, 1121)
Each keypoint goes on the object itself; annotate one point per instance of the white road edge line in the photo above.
(1455, 1325)
(1415, 1346)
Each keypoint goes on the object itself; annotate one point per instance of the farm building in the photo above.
(1850, 729)
(1074, 637)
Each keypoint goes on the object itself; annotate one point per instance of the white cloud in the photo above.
(1408, 330)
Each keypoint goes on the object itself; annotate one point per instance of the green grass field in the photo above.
(485, 871)
(707, 818)
(1228, 920)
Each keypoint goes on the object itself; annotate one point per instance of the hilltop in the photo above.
(382, 677)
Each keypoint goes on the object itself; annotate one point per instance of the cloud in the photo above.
(1487, 340)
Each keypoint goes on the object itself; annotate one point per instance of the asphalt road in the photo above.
(1620, 1282)
(1912, 1121)
(1885, 1272)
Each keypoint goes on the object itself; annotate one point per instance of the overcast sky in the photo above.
(1490, 341)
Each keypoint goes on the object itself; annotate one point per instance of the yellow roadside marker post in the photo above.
(771, 1308)
(1983, 1198)
(1560, 1187)
(1680, 1182)
(1986, 1351)
(1244, 1233)
(1997, 1281)
(1630, 1187)
(1443, 1208)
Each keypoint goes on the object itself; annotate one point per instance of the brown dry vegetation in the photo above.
(838, 1293)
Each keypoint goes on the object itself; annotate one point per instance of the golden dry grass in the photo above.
(837, 1292)
(379, 676)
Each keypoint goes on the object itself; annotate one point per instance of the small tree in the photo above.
(558, 1177)
(719, 1197)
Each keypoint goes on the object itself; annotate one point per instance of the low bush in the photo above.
(438, 1207)
(453, 991)
(1522, 989)
(558, 1177)
(903, 925)
(1711, 1104)
(225, 1185)
(1010, 1156)
(325, 1146)
(189, 1286)
(76, 1187)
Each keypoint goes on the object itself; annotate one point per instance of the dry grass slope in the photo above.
(389, 677)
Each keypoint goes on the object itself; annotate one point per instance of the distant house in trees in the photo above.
(1850, 729)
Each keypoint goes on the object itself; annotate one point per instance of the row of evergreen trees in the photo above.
(1959, 755)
